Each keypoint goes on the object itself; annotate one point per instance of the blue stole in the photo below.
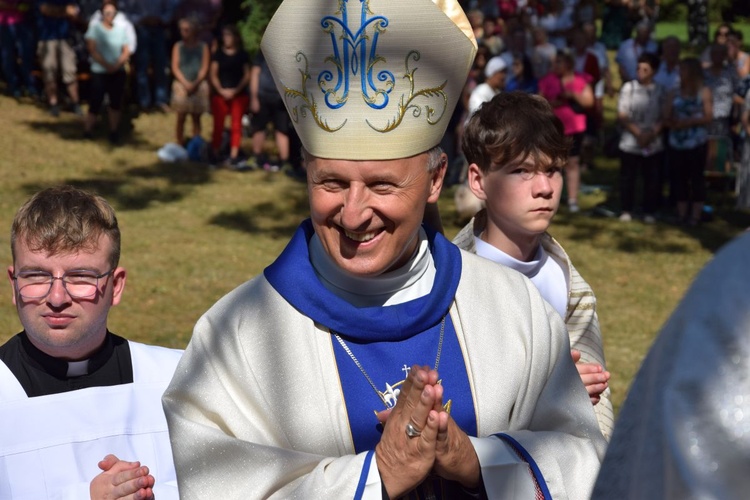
(385, 340)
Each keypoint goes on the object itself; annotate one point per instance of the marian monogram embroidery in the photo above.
(351, 58)
(356, 64)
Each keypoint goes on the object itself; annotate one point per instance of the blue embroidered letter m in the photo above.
(354, 56)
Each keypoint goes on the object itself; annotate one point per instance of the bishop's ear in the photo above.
(436, 181)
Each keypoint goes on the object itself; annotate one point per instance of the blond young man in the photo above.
(79, 405)
(516, 149)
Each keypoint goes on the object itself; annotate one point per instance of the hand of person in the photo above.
(121, 479)
(568, 95)
(403, 461)
(455, 457)
(72, 10)
(226, 93)
(190, 88)
(254, 104)
(593, 376)
(647, 137)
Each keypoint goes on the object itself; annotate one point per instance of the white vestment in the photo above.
(256, 408)
(684, 430)
(50, 445)
(581, 319)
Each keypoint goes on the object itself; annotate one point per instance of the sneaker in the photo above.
(32, 93)
(649, 219)
(573, 207)
(54, 110)
(271, 167)
(625, 217)
(252, 163)
(77, 110)
(238, 165)
(213, 159)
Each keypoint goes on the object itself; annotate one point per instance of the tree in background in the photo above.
(698, 22)
(716, 10)
(259, 13)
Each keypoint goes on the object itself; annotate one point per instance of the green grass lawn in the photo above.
(679, 29)
(191, 234)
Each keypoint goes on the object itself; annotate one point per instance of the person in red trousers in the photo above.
(230, 77)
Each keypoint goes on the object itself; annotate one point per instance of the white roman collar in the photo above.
(409, 282)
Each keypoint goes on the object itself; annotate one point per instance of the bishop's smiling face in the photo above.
(367, 214)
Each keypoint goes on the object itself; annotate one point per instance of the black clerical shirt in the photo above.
(40, 374)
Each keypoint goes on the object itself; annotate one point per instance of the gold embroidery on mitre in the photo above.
(309, 104)
(405, 104)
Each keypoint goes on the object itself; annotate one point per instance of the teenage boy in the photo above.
(516, 149)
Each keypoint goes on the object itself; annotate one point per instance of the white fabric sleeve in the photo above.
(373, 487)
(623, 100)
(504, 474)
(130, 36)
(75, 491)
(165, 491)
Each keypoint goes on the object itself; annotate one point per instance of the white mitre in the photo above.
(369, 79)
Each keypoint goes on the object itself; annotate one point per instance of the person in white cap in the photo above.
(495, 73)
(374, 358)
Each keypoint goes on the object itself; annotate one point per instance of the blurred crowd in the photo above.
(46, 42)
(176, 55)
(678, 115)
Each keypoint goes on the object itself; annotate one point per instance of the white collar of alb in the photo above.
(383, 285)
(528, 269)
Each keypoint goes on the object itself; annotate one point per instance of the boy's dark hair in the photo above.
(510, 128)
(650, 59)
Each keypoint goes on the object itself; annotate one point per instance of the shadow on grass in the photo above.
(139, 187)
(634, 237)
(277, 219)
(722, 225)
(71, 129)
(176, 173)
